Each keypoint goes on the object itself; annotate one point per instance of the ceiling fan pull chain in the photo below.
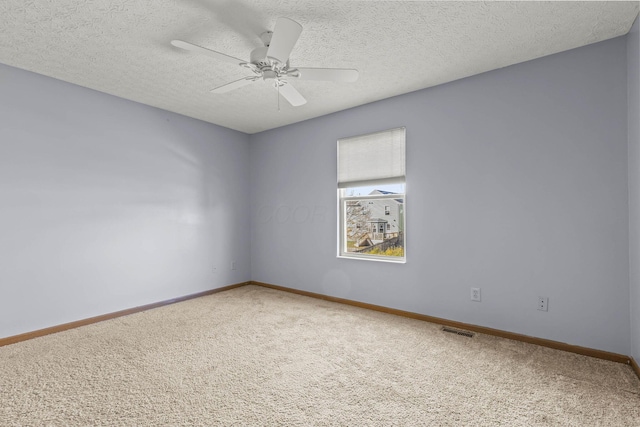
(278, 84)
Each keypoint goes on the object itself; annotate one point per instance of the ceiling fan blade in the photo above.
(327, 74)
(285, 35)
(203, 50)
(291, 94)
(235, 85)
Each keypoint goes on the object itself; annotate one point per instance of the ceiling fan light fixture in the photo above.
(269, 75)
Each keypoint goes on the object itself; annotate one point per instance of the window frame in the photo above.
(357, 168)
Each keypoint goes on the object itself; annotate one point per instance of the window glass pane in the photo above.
(372, 189)
(368, 231)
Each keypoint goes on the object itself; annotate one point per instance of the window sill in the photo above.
(374, 258)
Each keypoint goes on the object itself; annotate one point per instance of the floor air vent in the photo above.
(458, 332)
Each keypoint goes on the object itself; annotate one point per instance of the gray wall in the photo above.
(107, 204)
(517, 183)
(633, 100)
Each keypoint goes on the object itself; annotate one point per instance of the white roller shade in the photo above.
(373, 159)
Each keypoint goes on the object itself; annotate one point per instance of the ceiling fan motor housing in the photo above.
(259, 56)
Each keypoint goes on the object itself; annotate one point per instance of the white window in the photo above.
(372, 195)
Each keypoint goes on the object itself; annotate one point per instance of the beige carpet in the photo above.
(253, 356)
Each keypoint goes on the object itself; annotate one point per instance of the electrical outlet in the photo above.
(475, 294)
(543, 303)
(233, 265)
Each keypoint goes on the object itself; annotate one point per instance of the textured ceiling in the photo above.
(122, 47)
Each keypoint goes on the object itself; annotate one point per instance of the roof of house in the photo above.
(377, 220)
(386, 193)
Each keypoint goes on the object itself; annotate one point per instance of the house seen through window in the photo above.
(371, 187)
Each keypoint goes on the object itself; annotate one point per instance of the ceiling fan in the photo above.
(271, 63)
